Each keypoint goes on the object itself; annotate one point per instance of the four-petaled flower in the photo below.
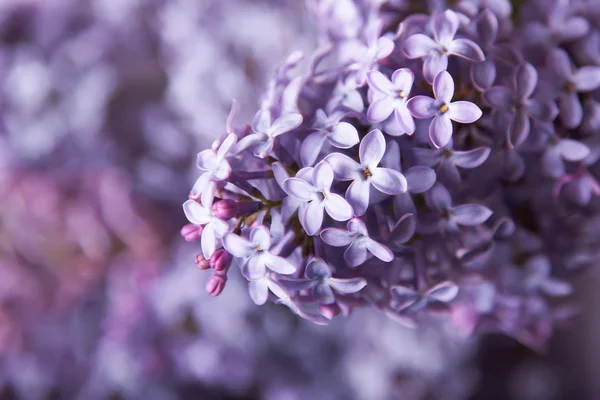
(214, 228)
(442, 110)
(367, 172)
(316, 197)
(265, 132)
(389, 97)
(214, 164)
(436, 52)
(339, 134)
(356, 237)
(256, 255)
(323, 285)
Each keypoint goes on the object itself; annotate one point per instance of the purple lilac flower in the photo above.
(435, 52)
(356, 237)
(317, 197)
(366, 173)
(442, 110)
(214, 164)
(517, 100)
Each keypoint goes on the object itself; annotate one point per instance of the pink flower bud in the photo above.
(220, 260)
(329, 311)
(226, 209)
(216, 283)
(191, 232)
(201, 262)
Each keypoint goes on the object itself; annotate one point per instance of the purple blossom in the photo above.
(264, 132)
(559, 150)
(365, 173)
(356, 237)
(442, 110)
(390, 98)
(214, 164)
(316, 198)
(435, 52)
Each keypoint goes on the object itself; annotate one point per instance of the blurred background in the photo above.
(103, 106)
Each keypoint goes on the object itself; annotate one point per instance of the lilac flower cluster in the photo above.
(434, 160)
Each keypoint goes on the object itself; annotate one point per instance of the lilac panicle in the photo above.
(422, 162)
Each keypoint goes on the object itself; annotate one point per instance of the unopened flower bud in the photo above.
(216, 284)
(220, 260)
(329, 311)
(226, 209)
(191, 232)
(202, 262)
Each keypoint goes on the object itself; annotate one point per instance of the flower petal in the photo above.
(444, 292)
(337, 207)
(404, 229)
(468, 49)
(421, 107)
(278, 264)
(403, 79)
(285, 124)
(483, 74)
(404, 119)
(419, 45)
(559, 61)
(344, 168)
(263, 149)
(526, 80)
(379, 250)
(552, 164)
(440, 130)
(337, 237)
(357, 227)
(226, 145)
(542, 110)
(380, 109)
(248, 141)
(261, 237)
(419, 179)
(195, 213)
(587, 78)
(388, 181)
(238, 246)
(343, 136)
(347, 286)
(445, 26)
(300, 189)
(313, 217)
(471, 158)
(380, 82)
(438, 198)
(572, 150)
(356, 253)
(311, 148)
(208, 241)
(297, 284)
(261, 121)
(404, 295)
(433, 65)
(372, 148)
(323, 176)
(317, 268)
(259, 291)
(443, 87)
(571, 112)
(500, 97)
(470, 214)
(357, 196)
(518, 129)
(464, 112)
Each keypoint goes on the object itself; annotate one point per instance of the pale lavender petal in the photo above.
(483, 74)
(403, 294)
(388, 181)
(343, 136)
(261, 237)
(556, 288)
(259, 291)
(385, 46)
(372, 148)
(571, 112)
(356, 226)
(226, 145)
(427, 157)
(318, 268)
(380, 82)
(464, 112)
(208, 241)
(422, 107)
(357, 195)
(248, 141)
(313, 217)
(297, 284)
(419, 179)
(237, 246)
(518, 129)
(207, 160)
(526, 80)
(419, 45)
(323, 293)
(487, 27)
(379, 250)
(433, 65)
(289, 206)
(255, 267)
(261, 121)
(471, 158)
(587, 79)
(445, 26)
(404, 229)
(337, 237)
(380, 109)
(574, 28)
(337, 207)
(195, 213)
(356, 253)
(438, 198)
(347, 286)
(235, 107)
(344, 168)
(440, 130)
(300, 189)
(279, 172)
(285, 124)
(222, 171)
(500, 97)
(468, 49)
(470, 214)
(263, 149)
(444, 292)
(200, 185)
(311, 148)
(572, 150)
(208, 195)
(323, 176)
(552, 164)
(443, 87)
(403, 79)
(559, 61)
(542, 110)
(278, 264)
(404, 118)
